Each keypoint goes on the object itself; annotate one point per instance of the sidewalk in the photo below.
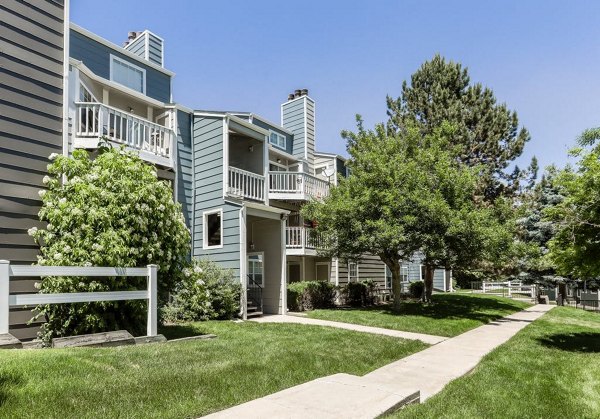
(275, 318)
(391, 386)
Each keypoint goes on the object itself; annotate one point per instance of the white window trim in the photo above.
(143, 70)
(284, 147)
(205, 214)
(328, 264)
(357, 274)
(262, 255)
(402, 267)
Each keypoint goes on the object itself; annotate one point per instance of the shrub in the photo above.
(360, 294)
(308, 295)
(107, 211)
(207, 292)
(416, 289)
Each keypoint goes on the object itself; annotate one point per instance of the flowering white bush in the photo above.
(108, 211)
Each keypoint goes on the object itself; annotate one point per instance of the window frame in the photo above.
(350, 271)
(280, 136)
(205, 215)
(252, 274)
(114, 58)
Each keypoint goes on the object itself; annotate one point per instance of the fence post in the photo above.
(483, 286)
(509, 290)
(152, 303)
(533, 291)
(4, 295)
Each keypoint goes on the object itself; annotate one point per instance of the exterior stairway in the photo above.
(253, 310)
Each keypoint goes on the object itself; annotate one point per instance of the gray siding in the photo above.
(207, 140)
(184, 165)
(138, 47)
(96, 57)
(289, 139)
(298, 116)
(31, 53)
(155, 50)
(414, 271)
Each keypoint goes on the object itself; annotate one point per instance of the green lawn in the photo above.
(189, 378)
(551, 369)
(449, 315)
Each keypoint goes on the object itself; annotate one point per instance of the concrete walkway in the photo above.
(392, 386)
(429, 339)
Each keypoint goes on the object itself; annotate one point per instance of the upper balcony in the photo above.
(296, 186)
(302, 241)
(94, 120)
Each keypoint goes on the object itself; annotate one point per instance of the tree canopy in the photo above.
(487, 134)
(407, 193)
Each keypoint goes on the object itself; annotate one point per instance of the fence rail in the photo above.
(246, 184)
(7, 300)
(302, 238)
(298, 183)
(95, 120)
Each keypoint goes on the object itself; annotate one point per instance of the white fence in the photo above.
(7, 300)
(511, 289)
(246, 184)
(96, 120)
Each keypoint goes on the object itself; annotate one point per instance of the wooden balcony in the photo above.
(301, 241)
(244, 184)
(93, 121)
(296, 186)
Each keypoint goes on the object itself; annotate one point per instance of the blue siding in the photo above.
(207, 143)
(137, 47)
(293, 120)
(289, 139)
(184, 165)
(155, 50)
(414, 271)
(96, 57)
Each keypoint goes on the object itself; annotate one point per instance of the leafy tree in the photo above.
(107, 211)
(407, 193)
(575, 246)
(487, 134)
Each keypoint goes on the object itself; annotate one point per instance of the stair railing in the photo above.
(254, 292)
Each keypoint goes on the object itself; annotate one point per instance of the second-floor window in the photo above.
(277, 139)
(127, 74)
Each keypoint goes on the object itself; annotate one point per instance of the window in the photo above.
(273, 167)
(127, 74)
(404, 273)
(352, 272)
(388, 277)
(277, 139)
(423, 269)
(85, 94)
(213, 229)
(255, 268)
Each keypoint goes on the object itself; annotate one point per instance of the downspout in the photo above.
(243, 258)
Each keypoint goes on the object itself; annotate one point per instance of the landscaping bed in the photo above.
(551, 369)
(186, 378)
(449, 315)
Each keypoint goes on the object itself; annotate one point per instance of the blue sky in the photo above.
(542, 58)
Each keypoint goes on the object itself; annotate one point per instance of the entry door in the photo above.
(322, 271)
(256, 269)
(293, 272)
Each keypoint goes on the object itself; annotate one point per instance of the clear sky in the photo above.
(542, 58)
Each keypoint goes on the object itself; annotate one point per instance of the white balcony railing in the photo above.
(297, 185)
(95, 120)
(303, 238)
(246, 184)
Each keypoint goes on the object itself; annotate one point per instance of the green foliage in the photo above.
(575, 247)
(416, 289)
(107, 211)
(408, 193)
(207, 292)
(359, 294)
(308, 295)
(487, 134)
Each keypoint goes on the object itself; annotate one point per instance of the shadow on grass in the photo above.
(586, 342)
(177, 331)
(448, 306)
(7, 383)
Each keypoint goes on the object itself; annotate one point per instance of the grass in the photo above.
(551, 369)
(189, 378)
(449, 315)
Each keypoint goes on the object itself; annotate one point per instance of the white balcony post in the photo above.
(152, 303)
(4, 295)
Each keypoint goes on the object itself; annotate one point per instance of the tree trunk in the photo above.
(562, 291)
(394, 266)
(429, 270)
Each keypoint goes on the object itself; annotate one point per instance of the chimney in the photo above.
(146, 45)
(298, 116)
